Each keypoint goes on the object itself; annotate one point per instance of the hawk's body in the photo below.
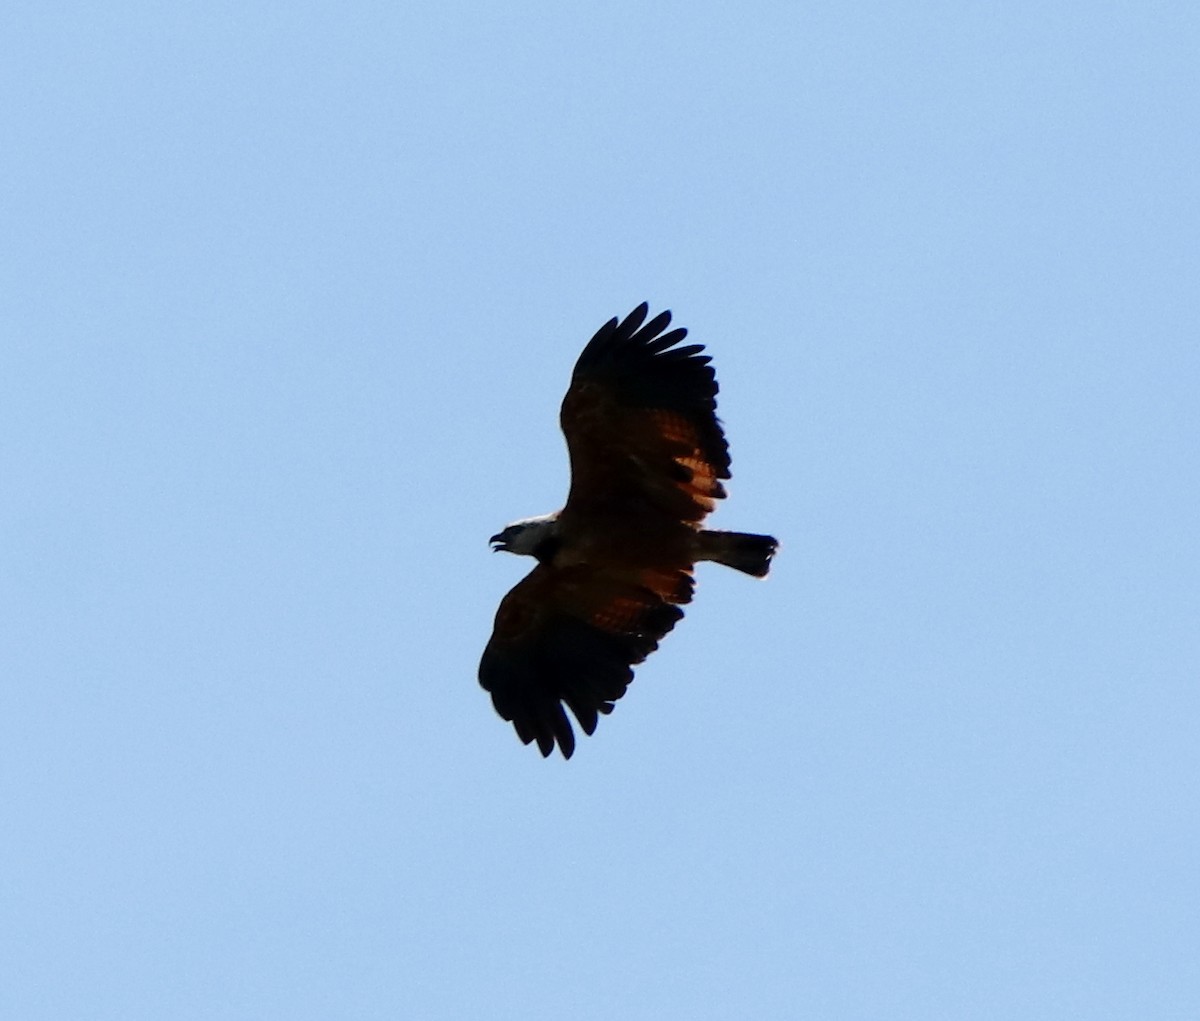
(647, 462)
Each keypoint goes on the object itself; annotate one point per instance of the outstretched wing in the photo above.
(640, 418)
(570, 635)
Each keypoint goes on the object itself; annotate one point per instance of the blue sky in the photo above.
(288, 298)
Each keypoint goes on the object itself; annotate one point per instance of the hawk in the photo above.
(614, 566)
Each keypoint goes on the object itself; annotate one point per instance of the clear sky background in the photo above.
(289, 295)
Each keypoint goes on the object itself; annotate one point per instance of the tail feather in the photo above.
(743, 551)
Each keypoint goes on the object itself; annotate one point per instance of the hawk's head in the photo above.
(531, 537)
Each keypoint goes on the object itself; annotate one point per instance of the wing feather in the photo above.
(569, 636)
(641, 425)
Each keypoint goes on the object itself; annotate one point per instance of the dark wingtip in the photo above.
(632, 322)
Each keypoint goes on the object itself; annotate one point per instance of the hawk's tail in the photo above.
(750, 554)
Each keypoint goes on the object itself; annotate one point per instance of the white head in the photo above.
(527, 535)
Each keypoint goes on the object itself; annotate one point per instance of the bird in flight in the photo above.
(648, 457)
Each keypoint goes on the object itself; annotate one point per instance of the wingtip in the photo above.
(633, 322)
